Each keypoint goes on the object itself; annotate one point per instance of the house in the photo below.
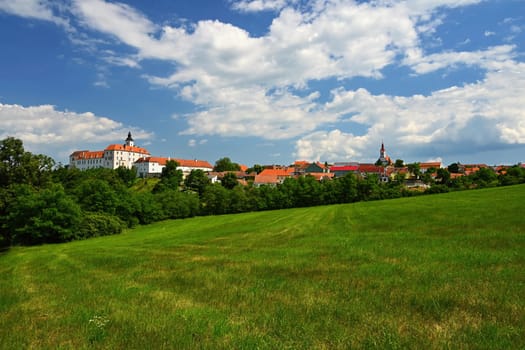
(341, 169)
(188, 165)
(273, 176)
(113, 157)
(423, 167)
(152, 166)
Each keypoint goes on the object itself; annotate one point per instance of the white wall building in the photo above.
(112, 157)
(152, 166)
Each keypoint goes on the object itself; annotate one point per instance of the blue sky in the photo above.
(267, 81)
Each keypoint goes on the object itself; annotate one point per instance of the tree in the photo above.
(45, 216)
(399, 163)
(215, 200)
(128, 176)
(257, 168)
(229, 180)
(197, 181)
(21, 167)
(454, 168)
(225, 164)
(414, 169)
(170, 178)
(443, 176)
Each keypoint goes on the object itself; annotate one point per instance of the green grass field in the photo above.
(431, 272)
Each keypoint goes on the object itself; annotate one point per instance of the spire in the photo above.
(129, 140)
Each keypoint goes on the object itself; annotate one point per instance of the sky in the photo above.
(267, 81)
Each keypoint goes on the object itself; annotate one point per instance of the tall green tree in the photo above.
(225, 164)
(42, 216)
(229, 180)
(170, 178)
(20, 167)
(197, 180)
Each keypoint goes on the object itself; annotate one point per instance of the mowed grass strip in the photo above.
(432, 272)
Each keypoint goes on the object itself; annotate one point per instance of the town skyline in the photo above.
(267, 82)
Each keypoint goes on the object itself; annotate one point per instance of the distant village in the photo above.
(130, 156)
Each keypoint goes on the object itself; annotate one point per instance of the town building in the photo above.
(113, 157)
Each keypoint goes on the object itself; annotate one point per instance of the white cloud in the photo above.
(491, 58)
(43, 129)
(37, 9)
(261, 5)
(251, 86)
(483, 115)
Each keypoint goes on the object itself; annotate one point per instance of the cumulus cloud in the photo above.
(44, 129)
(244, 85)
(261, 5)
(36, 9)
(483, 115)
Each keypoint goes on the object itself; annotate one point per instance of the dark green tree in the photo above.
(399, 163)
(414, 169)
(20, 167)
(225, 164)
(454, 168)
(443, 176)
(197, 180)
(257, 168)
(215, 200)
(45, 216)
(229, 180)
(170, 178)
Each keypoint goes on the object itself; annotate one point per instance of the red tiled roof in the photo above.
(159, 160)
(370, 168)
(116, 147)
(193, 163)
(182, 162)
(87, 155)
(277, 172)
(243, 167)
(266, 179)
(344, 168)
(428, 165)
(321, 176)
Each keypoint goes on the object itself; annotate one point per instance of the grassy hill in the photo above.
(441, 271)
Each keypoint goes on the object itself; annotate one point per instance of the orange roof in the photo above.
(160, 160)
(87, 155)
(266, 179)
(182, 162)
(428, 165)
(126, 148)
(370, 168)
(277, 172)
(321, 176)
(193, 163)
(301, 163)
(243, 167)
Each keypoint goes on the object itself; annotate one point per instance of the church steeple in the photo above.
(129, 140)
(383, 158)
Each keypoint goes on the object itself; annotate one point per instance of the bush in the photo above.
(99, 224)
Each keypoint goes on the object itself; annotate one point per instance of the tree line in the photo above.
(41, 202)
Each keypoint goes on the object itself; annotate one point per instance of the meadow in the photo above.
(433, 272)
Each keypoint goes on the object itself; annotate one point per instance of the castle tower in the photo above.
(129, 140)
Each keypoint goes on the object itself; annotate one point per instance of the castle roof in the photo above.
(126, 148)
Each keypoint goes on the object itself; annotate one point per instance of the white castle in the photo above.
(128, 155)
(112, 157)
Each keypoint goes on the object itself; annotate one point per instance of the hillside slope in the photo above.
(427, 272)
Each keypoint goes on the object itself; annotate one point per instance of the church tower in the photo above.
(383, 158)
(129, 140)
